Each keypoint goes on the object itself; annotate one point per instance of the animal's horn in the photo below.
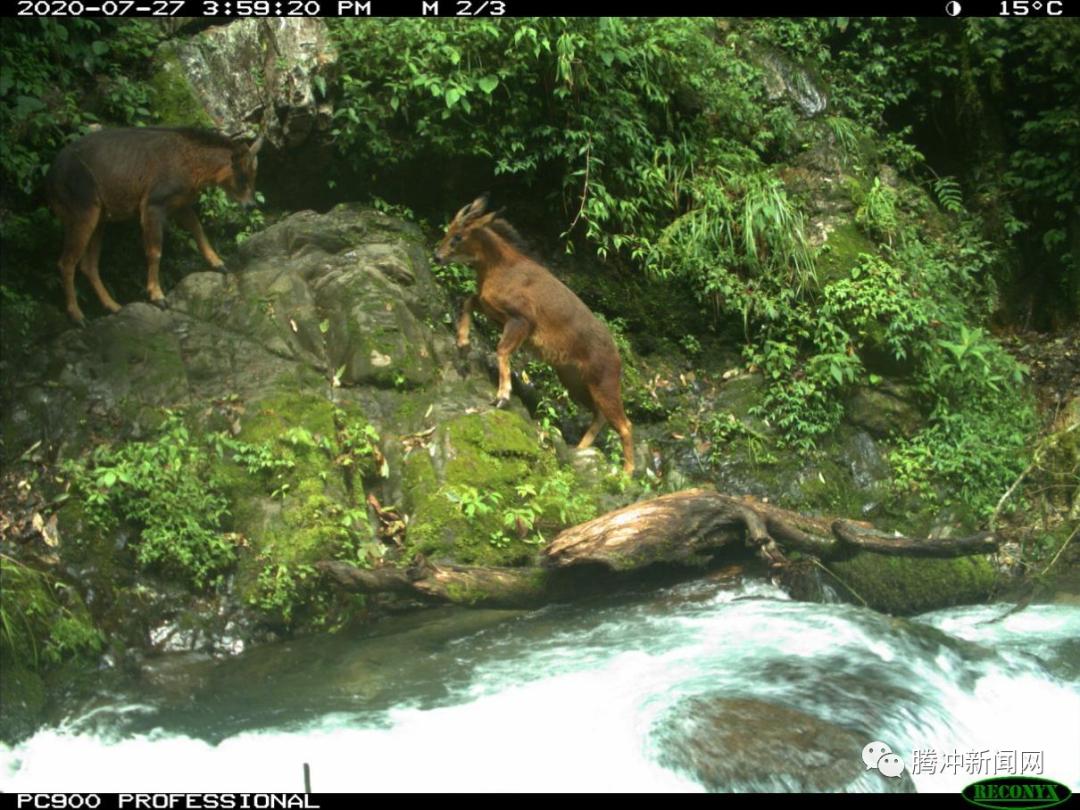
(255, 147)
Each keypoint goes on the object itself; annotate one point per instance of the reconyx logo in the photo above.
(1016, 793)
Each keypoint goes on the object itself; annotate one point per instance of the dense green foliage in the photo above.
(42, 620)
(657, 140)
(164, 488)
(175, 490)
(57, 76)
(990, 100)
(661, 147)
(602, 115)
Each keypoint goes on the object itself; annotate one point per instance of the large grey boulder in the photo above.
(252, 75)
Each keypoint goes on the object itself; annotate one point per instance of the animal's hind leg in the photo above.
(89, 266)
(597, 425)
(626, 434)
(77, 235)
(608, 399)
(188, 220)
(152, 219)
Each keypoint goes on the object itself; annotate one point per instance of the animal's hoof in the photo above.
(160, 303)
(463, 348)
(500, 402)
(221, 268)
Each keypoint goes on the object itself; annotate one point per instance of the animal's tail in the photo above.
(69, 185)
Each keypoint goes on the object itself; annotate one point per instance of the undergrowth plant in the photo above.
(42, 621)
(164, 487)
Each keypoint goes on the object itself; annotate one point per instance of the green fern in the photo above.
(948, 194)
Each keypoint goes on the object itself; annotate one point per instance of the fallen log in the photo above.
(461, 584)
(684, 528)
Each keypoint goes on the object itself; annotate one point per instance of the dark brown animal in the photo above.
(535, 308)
(117, 174)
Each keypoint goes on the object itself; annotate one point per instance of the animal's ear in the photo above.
(484, 220)
(253, 150)
(475, 208)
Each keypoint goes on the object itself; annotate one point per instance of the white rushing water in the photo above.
(598, 699)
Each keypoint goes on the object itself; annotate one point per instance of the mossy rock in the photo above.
(1061, 464)
(296, 514)
(841, 251)
(367, 294)
(488, 457)
(104, 563)
(45, 625)
(739, 395)
(22, 700)
(885, 410)
(175, 101)
(844, 478)
(908, 585)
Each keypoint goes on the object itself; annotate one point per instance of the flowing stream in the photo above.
(708, 685)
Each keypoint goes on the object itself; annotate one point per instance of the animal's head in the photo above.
(245, 163)
(457, 246)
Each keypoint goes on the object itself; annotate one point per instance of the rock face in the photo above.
(784, 79)
(884, 410)
(264, 75)
(348, 291)
(320, 373)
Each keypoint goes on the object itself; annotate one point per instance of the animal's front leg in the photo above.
(515, 332)
(189, 221)
(465, 322)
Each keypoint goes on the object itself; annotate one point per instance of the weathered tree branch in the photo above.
(870, 539)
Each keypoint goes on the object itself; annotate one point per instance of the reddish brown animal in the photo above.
(535, 308)
(117, 174)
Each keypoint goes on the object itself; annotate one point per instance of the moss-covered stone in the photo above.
(825, 487)
(740, 395)
(841, 251)
(908, 585)
(885, 410)
(45, 624)
(1061, 464)
(475, 472)
(91, 550)
(303, 506)
(175, 101)
(22, 699)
